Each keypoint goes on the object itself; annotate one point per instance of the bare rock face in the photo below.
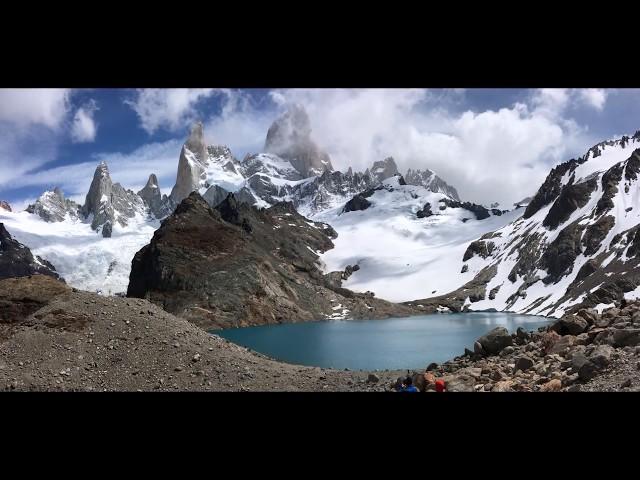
(289, 137)
(384, 169)
(235, 265)
(105, 199)
(152, 197)
(16, 260)
(98, 200)
(5, 206)
(53, 207)
(430, 181)
(191, 166)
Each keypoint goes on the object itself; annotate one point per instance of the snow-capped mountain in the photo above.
(292, 168)
(576, 245)
(92, 245)
(53, 207)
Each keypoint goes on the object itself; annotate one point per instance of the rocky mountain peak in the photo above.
(191, 165)
(51, 206)
(152, 197)
(16, 260)
(98, 200)
(5, 206)
(108, 202)
(196, 142)
(289, 137)
(428, 179)
(384, 169)
(99, 191)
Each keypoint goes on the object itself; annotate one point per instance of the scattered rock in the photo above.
(551, 386)
(495, 341)
(570, 325)
(523, 363)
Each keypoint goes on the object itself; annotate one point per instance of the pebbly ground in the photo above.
(80, 341)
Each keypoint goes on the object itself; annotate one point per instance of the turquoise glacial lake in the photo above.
(395, 343)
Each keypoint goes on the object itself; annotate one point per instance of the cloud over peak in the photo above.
(168, 108)
(84, 127)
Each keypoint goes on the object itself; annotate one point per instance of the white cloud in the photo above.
(595, 97)
(31, 123)
(169, 108)
(241, 125)
(39, 106)
(550, 101)
(489, 156)
(84, 127)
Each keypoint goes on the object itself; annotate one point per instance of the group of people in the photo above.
(407, 385)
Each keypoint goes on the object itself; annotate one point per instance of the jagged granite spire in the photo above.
(5, 206)
(152, 197)
(384, 169)
(432, 182)
(98, 201)
(191, 165)
(289, 137)
(105, 199)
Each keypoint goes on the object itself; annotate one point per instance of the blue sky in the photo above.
(491, 144)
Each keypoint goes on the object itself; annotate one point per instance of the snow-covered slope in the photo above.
(401, 256)
(90, 246)
(577, 243)
(83, 258)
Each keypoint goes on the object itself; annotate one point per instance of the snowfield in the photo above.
(403, 257)
(84, 258)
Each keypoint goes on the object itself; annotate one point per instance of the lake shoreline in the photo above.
(61, 339)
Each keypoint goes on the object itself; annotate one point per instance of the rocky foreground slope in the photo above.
(583, 352)
(61, 339)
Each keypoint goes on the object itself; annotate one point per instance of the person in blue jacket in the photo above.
(408, 386)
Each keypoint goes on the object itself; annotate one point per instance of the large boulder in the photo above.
(495, 341)
(570, 325)
(562, 345)
(358, 202)
(523, 363)
(601, 355)
(459, 383)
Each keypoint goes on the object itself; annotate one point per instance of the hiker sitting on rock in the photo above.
(408, 386)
